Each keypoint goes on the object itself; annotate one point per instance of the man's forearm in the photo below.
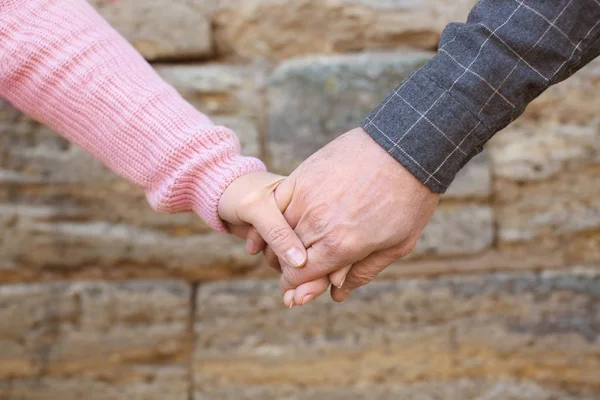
(485, 74)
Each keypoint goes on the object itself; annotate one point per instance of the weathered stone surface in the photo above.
(59, 340)
(46, 241)
(474, 181)
(560, 131)
(457, 230)
(562, 214)
(230, 95)
(162, 29)
(279, 29)
(452, 390)
(483, 262)
(546, 167)
(33, 154)
(333, 94)
(539, 328)
(490, 260)
(313, 100)
(63, 214)
(140, 383)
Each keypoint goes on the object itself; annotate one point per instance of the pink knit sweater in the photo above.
(63, 65)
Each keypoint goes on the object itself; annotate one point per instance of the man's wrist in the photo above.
(398, 168)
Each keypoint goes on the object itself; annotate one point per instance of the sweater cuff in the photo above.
(427, 130)
(203, 176)
(204, 199)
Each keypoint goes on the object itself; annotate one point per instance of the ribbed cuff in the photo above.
(205, 199)
(206, 167)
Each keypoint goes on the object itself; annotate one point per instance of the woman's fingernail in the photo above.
(292, 304)
(307, 298)
(342, 282)
(295, 257)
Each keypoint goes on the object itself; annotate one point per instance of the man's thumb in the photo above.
(284, 193)
(275, 230)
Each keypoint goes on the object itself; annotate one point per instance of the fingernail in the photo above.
(295, 257)
(307, 298)
(250, 246)
(288, 297)
(342, 282)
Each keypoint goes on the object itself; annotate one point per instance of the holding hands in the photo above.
(348, 211)
(352, 206)
(252, 208)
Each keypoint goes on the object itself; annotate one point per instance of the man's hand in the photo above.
(251, 212)
(356, 209)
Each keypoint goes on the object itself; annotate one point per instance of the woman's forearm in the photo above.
(63, 65)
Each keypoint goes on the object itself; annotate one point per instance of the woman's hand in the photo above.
(250, 200)
(251, 211)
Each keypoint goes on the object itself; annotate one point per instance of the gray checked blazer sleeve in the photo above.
(486, 72)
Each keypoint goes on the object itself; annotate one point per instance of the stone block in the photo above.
(538, 329)
(161, 29)
(94, 340)
(276, 29)
(313, 100)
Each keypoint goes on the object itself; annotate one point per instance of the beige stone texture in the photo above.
(163, 29)
(279, 29)
(538, 329)
(101, 298)
(95, 340)
(545, 169)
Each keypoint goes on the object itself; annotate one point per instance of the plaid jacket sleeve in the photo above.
(486, 72)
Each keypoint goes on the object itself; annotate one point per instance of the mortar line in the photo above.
(192, 334)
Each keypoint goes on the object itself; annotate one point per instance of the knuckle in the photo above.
(342, 243)
(401, 253)
(406, 250)
(279, 234)
(318, 218)
(360, 277)
(292, 277)
(353, 240)
(334, 244)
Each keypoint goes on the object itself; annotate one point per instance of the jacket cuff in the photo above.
(427, 130)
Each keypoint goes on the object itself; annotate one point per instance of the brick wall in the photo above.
(101, 298)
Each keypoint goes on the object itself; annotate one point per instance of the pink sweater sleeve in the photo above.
(63, 65)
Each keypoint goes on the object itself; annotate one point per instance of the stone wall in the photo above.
(101, 298)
